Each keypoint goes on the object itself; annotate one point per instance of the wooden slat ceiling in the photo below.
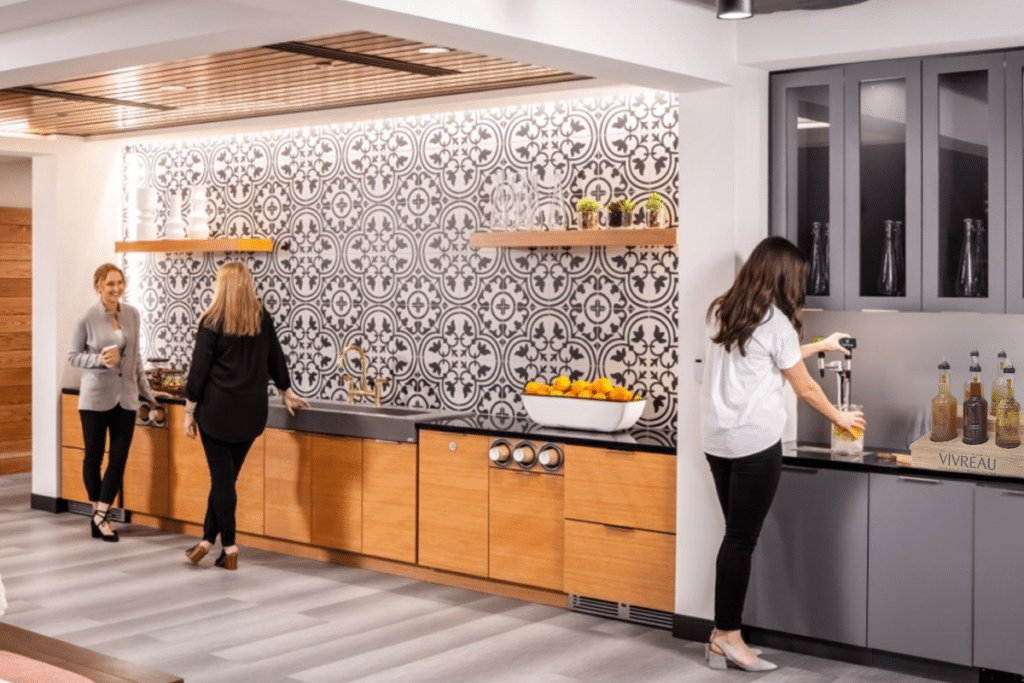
(263, 81)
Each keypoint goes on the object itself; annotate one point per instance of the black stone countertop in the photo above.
(646, 440)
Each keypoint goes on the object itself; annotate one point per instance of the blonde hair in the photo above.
(101, 274)
(235, 310)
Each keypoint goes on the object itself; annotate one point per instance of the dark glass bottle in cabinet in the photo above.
(963, 155)
(1015, 182)
(883, 185)
(807, 174)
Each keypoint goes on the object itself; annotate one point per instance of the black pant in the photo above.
(746, 487)
(95, 425)
(225, 459)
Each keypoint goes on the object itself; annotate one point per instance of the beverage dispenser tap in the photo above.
(844, 375)
(821, 356)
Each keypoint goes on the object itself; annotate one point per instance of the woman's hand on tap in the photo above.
(831, 343)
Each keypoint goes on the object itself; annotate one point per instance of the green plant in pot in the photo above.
(588, 208)
(654, 209)
(620, 213)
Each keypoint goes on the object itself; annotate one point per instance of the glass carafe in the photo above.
(944, 408)
(1008, 416)
(976, 411)
(889, 273)
(968, 281)
(818, 281)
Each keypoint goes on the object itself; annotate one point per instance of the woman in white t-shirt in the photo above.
(753, 349)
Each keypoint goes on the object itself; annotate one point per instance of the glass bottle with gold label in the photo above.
(976, 411)
(967, 385)
(998, 384)
(1008, 415)
(944, 408)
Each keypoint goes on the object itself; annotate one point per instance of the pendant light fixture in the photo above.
(735, 9)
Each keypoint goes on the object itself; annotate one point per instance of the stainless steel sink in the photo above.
(388, 423)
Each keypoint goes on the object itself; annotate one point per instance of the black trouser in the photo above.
(95, 425)
(746, 487)
(225, 459)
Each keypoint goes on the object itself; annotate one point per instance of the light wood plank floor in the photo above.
(280, 619)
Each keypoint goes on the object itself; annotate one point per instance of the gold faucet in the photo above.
(364, 386)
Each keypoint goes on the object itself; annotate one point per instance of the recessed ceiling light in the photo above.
(433, 50)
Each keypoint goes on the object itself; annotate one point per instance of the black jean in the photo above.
(746, 487)
(225, 459)
(95, 425)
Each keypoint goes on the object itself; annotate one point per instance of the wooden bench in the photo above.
(92, 665)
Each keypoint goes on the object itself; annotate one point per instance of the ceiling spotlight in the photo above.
(433, 50)
(735, 9)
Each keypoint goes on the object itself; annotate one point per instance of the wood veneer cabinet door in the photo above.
(620, 565)
(453, 502)
(188, 473)
(389, 500)
(621, 488)
(527, 527)
(287, 485)
(337, 492)
(70, 422)
(249, 511)
(146, 474)
(72, 485)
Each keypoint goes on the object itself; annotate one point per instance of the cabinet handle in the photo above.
(1007, 492)
(921, 480)
(797, 468)
(453, 446)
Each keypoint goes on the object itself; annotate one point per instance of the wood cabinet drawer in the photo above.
(620, 565)
(287, 490)
(70, 422)
(146, 473)
(337, 504)
(622, 488)
(72, 485)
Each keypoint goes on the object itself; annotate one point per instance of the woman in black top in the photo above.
(236, 353)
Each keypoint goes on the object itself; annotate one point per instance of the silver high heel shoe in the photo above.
(708, 653)
(721, 661)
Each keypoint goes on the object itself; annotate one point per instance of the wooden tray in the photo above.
(956, 456)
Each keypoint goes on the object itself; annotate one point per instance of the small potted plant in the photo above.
(588, 209)
(620, 213)
(654, 210)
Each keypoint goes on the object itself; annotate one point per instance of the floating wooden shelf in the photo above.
(232, 244)
(612, 237)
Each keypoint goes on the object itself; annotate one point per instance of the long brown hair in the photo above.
(235, 310)
(776, 273)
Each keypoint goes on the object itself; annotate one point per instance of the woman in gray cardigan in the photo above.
(105, 344)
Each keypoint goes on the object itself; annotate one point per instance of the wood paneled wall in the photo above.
(15, 340)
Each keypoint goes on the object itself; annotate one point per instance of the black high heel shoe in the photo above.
(227, 560)
(97, 532)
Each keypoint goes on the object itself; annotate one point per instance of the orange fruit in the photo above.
(586, 393)
(580, 385)
(533, 387)
(556, 392)
(600, 397)
(602, 385)
(620, 394)
(561, 383)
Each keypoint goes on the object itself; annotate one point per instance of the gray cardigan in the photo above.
(102, 388)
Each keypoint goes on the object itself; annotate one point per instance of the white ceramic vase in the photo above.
(174, 226)
(198, 218)
(145, 201)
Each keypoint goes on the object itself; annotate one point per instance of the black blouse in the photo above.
(228, 381)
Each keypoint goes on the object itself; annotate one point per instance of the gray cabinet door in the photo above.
(809, 575)
(998, 597)
(920, 567)
(1015, 182)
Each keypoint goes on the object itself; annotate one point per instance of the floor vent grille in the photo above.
(618, 610)
(85, 509)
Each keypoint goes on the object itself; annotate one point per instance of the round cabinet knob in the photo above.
(143, 413)
(500, 453)
(524, 454)
(453, 446)
(157, 415)
(550, 457)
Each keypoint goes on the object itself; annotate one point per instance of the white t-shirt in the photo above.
(742, 400)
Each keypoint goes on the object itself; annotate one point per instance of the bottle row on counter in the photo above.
(976, 410)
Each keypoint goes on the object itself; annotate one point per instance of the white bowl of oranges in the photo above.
(595, 406)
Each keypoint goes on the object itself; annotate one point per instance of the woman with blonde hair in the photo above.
(753, 348)
(236, 354)
(105, 344)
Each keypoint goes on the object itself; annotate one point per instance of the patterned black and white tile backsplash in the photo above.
(370, 223)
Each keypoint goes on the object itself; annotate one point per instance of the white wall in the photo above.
(16, 183)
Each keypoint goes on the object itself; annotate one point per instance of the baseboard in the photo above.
(692, 628)
(48, 503)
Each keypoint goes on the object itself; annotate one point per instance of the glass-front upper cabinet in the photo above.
(963, 166)
(807, 175)
(883, 185)
(1015, 182)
